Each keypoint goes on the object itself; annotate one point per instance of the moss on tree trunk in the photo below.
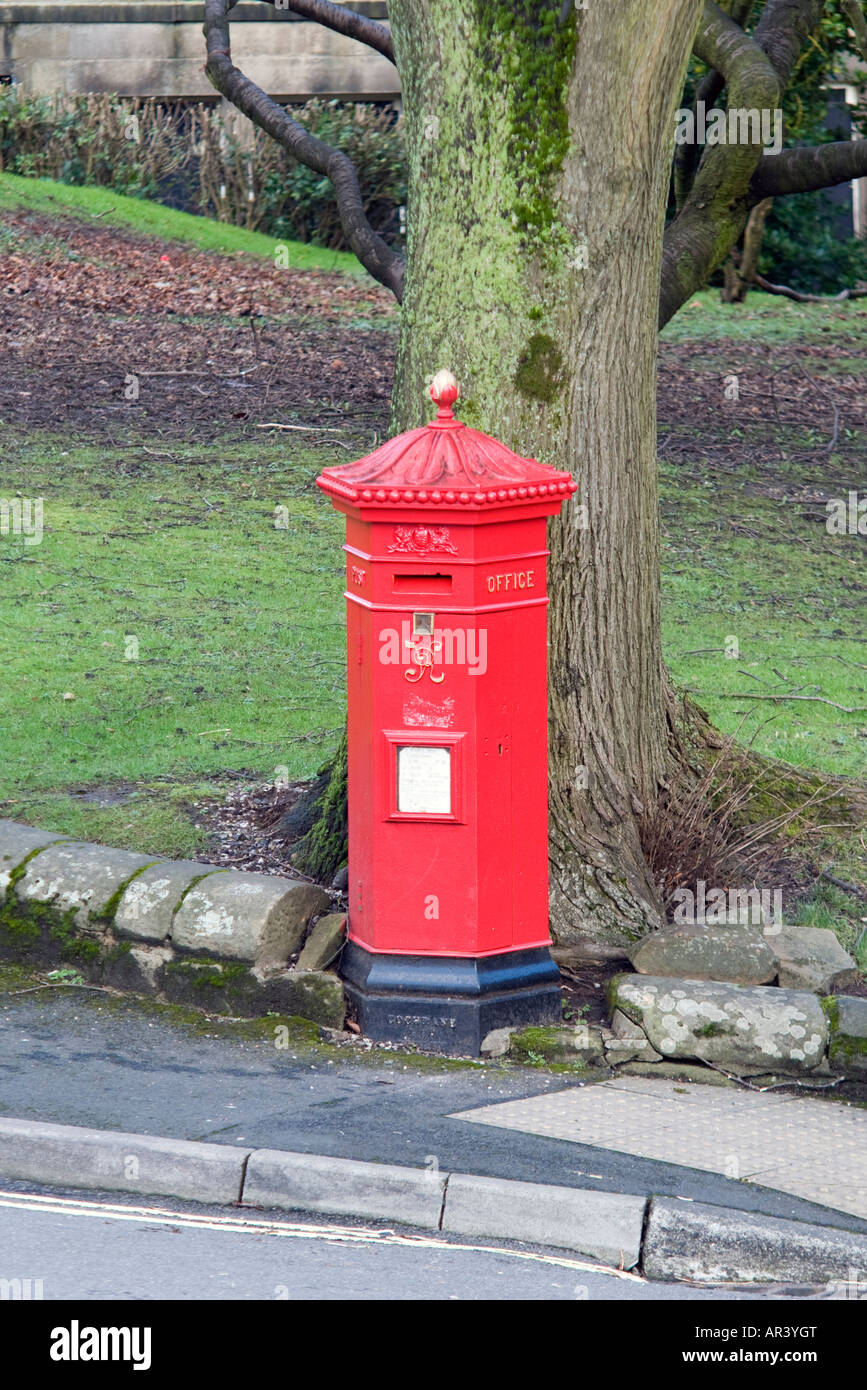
(322, 849)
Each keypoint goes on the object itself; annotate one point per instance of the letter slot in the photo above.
(422, 583)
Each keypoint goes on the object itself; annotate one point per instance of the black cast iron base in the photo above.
(449, 1003)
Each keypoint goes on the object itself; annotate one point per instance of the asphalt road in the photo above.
(91, 1246)
(75, 1058)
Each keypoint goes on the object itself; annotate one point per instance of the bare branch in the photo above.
(749, 695)
(714, 214)
(801, 298)
(342, 21)
(687, 157)
(808, 168)
(782, 32)
(384, 264)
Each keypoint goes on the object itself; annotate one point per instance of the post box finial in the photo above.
(444, 391)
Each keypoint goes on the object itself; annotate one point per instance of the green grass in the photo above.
(192, 634)
(140, 215)
(767, 318)
(239, 629)
(787, 600)
(829, 907)
(240, 626)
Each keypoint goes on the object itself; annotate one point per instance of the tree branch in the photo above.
(342, 21)
(803, 298)
(384, 264)
(687, 157)
(855, 15)
(714, 214)
(782, 32)
(808, 168)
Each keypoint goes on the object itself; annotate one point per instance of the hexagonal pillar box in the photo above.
(447, 734)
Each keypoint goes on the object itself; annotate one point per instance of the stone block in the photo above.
(847, 1017)
(628, 1042)
(324, 943)
(232, 988)
(16, 842)
(553, 1044)
(741, 1029)
(812, 958)
(146, 909)
(739, 954)
(247, 917)
(78, 878)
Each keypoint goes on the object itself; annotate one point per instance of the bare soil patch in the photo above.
(90, 316)
(220, 344)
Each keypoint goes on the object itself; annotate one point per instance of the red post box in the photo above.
(447, 734)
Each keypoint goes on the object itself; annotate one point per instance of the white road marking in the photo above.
(237, 1225)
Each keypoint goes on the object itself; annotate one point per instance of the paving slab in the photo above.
(812, 1148)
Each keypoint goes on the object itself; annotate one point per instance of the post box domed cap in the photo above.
(447, 465)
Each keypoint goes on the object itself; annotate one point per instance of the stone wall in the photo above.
(156, 49)
(241, 944)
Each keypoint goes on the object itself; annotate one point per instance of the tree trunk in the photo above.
(740, 276)
(539, 156)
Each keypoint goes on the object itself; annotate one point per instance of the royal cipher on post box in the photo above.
(447, 734)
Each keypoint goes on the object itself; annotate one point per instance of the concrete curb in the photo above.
(688, 1240)
(664, 1238)
(69, 1156)
(345, 1187)
(604, 1225)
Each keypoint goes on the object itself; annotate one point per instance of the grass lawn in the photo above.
(166, 639)
(44, 195)
(759, 598)
(165, 631)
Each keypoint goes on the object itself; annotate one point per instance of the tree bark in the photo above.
(739, 277)
(533, 274)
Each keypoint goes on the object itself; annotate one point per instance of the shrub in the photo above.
(248, 179)
(190, 156)
(132, 147)
(802, 246)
